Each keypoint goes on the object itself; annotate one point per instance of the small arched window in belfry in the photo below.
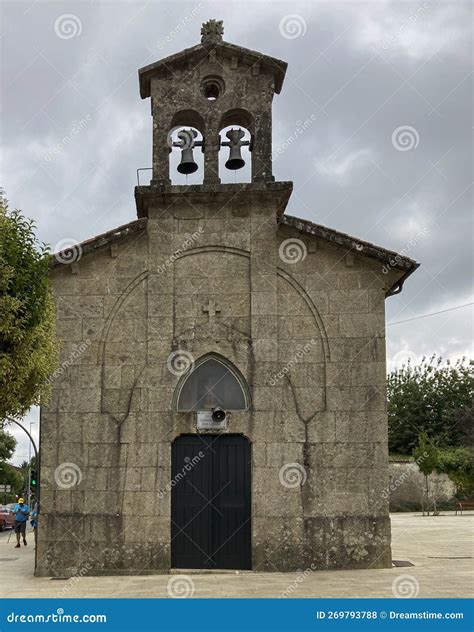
(235, 165)
(213, 383)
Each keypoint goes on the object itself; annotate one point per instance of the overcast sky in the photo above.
(387, 155)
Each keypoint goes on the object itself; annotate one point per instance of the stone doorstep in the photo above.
(209, 571)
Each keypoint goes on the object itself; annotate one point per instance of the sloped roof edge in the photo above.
(103, 239)
(390, 258)
(277, 65)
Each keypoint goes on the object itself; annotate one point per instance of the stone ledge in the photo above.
(201, 193)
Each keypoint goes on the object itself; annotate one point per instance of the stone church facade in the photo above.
(216, 280)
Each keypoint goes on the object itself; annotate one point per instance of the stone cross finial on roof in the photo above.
(212, 32)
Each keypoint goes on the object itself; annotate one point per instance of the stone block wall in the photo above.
(407, 484)
(308, 336)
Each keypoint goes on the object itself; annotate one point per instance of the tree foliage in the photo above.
(7, 445)
(433, 397)
(28, 348)
(425, 454)
(458, 464)
(8, 474)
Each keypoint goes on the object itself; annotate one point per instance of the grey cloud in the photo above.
(360, 69)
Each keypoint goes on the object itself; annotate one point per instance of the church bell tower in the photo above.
(214, 97)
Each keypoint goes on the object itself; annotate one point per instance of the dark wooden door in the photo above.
(210, 502)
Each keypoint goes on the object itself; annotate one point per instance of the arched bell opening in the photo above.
(212, 382)
(240, 117)
(186, 146)
(236, 141)
(186, 160)
(235, 158)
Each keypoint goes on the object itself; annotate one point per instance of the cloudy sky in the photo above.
(386, 155)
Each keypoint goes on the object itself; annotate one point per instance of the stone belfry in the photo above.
(209, 87)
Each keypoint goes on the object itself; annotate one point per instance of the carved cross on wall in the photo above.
(211, 308)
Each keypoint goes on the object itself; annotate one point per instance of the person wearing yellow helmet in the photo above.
(21, 512)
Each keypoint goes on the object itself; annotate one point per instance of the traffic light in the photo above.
(33, 480)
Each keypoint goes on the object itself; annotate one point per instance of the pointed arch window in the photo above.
(214, 382)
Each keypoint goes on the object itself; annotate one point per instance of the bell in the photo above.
(187, 164)
(235, 160)
(187, 138)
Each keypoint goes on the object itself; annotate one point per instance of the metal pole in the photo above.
(28, 490)
(34, 448)
(28, 502)
(38, 488)
(28, 433)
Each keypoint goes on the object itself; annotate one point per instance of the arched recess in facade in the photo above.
(312, 307)
(212, 381)
(283, 275)
(133, 286)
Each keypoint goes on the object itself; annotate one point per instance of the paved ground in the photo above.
(441, 549)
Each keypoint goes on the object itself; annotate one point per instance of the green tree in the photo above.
(458, 464)
(432, 397)
(7, 445)
(28, 349)
(8, 474)
(426, 457)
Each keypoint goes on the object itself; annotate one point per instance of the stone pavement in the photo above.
(441, 549)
